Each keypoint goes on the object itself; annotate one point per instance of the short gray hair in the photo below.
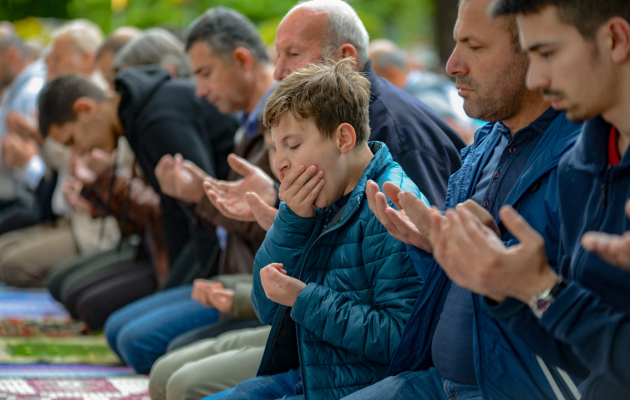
(84, 34)
(344, 26)
(154, 46)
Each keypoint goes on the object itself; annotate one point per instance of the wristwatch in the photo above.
(541, 301)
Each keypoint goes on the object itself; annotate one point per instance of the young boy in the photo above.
(335, 286)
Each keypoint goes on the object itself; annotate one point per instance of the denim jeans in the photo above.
(141, 331)
(418, 385)
(285, 386)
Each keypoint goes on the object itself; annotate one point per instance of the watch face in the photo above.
(542, 304)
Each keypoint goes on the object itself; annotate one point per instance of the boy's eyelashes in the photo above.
(294, 147)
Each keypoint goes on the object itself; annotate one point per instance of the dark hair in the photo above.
(57, 98)
(586, 15)
(224, 29)
(331, 94)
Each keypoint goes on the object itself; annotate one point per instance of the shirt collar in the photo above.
(250, 121)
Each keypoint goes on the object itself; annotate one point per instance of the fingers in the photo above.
(628, 208)
(278, 266)
(474, 228)
(263, 213)
(482, 214)
(392, 191)
(240, 165)
(518, 227)
(311, 188)
(417, 211)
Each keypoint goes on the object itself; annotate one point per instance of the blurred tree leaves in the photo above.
(404, 21)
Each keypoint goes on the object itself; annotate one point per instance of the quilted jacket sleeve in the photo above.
(371, 330)
(284, 243)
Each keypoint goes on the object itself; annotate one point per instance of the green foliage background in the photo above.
(405, 21)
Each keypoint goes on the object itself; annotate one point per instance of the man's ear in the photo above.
(347, 50)
(243, 58)
(346, 138)
(619, 31)
(85, 105)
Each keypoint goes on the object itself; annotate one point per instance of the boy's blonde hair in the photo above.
(329, 93)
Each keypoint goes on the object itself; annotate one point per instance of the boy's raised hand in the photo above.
(278, 286)
(300, 188)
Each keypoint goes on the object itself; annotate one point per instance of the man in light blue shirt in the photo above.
(22, 83)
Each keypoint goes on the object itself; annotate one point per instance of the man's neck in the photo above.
(263, 79)
(533, 107)
(361, 160)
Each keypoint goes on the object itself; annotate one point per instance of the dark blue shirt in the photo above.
(452, 346)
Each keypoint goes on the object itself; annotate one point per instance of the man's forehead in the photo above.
(542, 28)
(301, 27)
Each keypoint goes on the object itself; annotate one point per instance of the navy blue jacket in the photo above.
(424, 145)
(361, 285)
(504, 366)
(590, 320)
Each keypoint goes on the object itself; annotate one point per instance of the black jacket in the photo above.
(162, 116)
(424, 145)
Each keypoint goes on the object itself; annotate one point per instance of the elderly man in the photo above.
(74, 49)
(420, 141)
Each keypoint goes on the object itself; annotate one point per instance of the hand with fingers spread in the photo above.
(181, 179)
(397, 222)
(614, 249)
(299, 189)
(229, 197)
(263, 213)
(278, 286)
(474, 257)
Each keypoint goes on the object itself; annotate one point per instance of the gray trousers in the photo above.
(209, 366)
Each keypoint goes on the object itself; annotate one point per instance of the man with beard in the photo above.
(451, 347)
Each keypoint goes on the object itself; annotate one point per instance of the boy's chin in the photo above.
(321, 202)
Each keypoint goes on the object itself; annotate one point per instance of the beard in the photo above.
(500, 96)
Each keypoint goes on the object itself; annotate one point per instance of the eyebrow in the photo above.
(286, 138)
(537, 46)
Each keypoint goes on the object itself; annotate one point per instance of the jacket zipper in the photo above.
(309, 246)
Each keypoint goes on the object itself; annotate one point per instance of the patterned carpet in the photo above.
(45, 355)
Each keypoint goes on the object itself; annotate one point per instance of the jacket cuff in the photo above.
(298, 313)
(242, 307)
(291, 221)
(505, 310)
(561, 307)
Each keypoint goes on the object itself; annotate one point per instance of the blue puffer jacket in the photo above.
(345, 326)
(505, 367)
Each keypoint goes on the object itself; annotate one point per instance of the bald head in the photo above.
(319, 26)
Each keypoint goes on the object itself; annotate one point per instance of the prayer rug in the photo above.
(27, 312)
(48, 371)
(74, 350)
(127, 388)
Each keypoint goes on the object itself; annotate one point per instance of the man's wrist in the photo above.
(547, 280)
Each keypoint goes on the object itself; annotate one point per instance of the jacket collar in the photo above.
(557, 138)
(369, 73)
(380, 162)
(591, 151)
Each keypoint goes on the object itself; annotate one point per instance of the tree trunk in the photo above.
(446, 15)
